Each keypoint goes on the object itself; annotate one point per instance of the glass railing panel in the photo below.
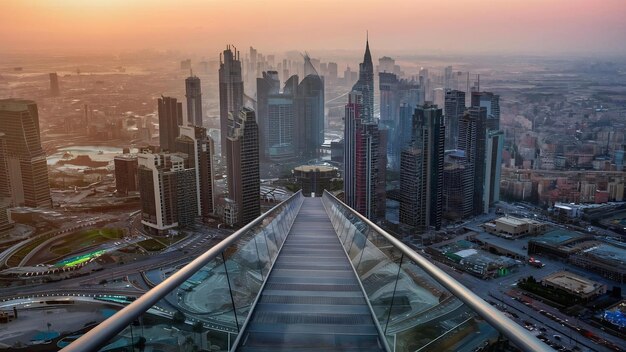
(244, 273)
(414, 311)
(207, 310)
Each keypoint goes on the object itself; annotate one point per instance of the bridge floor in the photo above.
(312, 300)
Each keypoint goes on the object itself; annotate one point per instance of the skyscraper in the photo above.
(365, 84)
(194, 142)
(126, 173)
(454, 107)
(54, 84)
(491, 102)
(421, 171)
(170, 118)
(242, 157)
(167, 190)
(458, 191)
(493, 168)
(230, 88)
(472, 140)
(193, 93)
(25, 158)
(266, 86)
(5, 183)
(394, 93)
(5, 191)
(309, 124)
(364, 161)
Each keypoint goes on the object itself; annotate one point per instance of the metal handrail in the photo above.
(514, 332)
(105, 331)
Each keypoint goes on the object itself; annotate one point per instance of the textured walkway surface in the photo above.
(312, 300)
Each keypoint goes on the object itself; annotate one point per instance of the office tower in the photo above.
(394, 93)
(491, 102)
(332, 73)
(447, 79)
(365, 84)
(421, 171)
(493, 168)
(167, 190)
(193, 93)
(5, 191)
(309, 68)
(309, 123)
(170, 118)
(267, 85)
(54, 84)
(194, 142)
(453, 110)
(472, 140)
(126, 173)
(231, 89)
(458, 191)
(386, 64)
(364, 161)
(5, 183)
(242, 157)
(25, 158)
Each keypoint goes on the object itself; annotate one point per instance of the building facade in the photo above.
(25, 158)
(170, 118)
(422, 171)
(193, 93)
(230, 90)
(167, 190)
(242, 157)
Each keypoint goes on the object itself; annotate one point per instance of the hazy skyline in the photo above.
(453, 26)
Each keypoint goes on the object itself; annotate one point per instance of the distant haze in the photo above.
(412, 26)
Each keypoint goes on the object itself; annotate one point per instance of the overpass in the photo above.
(311, 274)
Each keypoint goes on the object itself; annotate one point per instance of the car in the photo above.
(557, 337)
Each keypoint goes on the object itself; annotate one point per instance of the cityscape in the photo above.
(290, 179)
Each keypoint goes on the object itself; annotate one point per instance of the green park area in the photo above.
(83, 239)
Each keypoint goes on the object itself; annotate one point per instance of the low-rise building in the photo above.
(574, 284)
(314, 179)
(512, 227)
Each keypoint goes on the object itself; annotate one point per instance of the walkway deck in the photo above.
(312, 300)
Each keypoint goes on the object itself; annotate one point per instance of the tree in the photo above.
(178, 317)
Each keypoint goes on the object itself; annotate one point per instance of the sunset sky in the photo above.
(438, 26)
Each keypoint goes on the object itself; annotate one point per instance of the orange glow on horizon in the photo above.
(530, 26)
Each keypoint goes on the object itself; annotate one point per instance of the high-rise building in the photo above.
(167, 190)
(491, 102)
(230, 89)
(493, 168)
(394, 93)
(454, 107)
(309, 122)
(458, 191)
(5, 191)
(268, 86)
(25, 158)
(332, 73)
(170, 118)
(194, 142)
(421, 171)
(242, 158)
(448, 79)
(365, 158)
(5, 183)
(365, 84)
(472, 140)
(54, 84)
(193, 93)
(126, 167)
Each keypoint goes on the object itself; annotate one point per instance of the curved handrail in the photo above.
(514, 332)
(103, 332)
